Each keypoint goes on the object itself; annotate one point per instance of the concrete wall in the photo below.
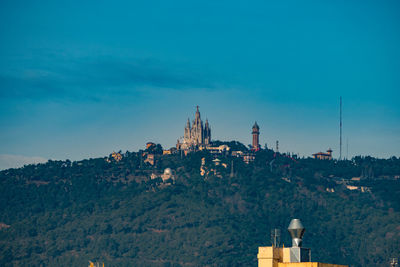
(268, 256)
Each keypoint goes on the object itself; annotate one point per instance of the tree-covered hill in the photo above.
(64, 213)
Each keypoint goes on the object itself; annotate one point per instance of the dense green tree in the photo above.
(65, 213)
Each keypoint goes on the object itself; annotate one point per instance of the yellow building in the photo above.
(117, 156)
(295, 256)
(322, 155)
(280, 257)
(167, 152)
(149, 159)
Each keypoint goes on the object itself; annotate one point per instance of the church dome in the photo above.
(167, 171)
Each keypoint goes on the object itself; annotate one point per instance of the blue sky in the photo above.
(81, 79)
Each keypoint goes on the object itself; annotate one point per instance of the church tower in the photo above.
(207, 133)
(256, 133)
(197, 129)
(195, 134)
(186, 135)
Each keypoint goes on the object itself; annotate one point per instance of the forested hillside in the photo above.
(64, 213)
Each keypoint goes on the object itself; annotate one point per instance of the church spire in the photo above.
(255, 127)
(197, 116)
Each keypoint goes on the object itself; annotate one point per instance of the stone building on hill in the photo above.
(195, 135)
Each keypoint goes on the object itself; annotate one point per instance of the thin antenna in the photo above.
(277, 146)
(347, 148)
(276, 237)
(340, 154)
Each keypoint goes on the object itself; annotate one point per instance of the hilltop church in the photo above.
(195, 135)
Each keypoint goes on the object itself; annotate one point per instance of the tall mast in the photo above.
(340, 154)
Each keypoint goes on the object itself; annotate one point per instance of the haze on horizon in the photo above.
(80, 80)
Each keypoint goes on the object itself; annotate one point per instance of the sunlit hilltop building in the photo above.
(196, 135)
(322, 155)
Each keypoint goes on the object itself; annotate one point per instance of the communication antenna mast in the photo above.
(340, 154)
(347, 148)
(277, 146)
(276, 237)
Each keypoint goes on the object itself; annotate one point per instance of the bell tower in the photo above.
(256, 134)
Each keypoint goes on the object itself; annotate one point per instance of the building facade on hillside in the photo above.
(322, 155)
(195, 134)
(222, 149)
(256, 134)
(248, 157)
(150, 159)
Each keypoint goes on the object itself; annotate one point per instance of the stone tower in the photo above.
(256, 134)
(207, 133)
(197, 129)
(187, 134)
